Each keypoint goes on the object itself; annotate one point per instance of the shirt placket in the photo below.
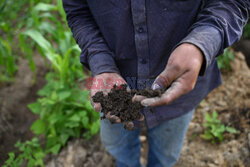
(141, 40)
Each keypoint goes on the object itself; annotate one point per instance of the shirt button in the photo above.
(143, 61)
(140, 30)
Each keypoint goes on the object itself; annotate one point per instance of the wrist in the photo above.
(197, 56)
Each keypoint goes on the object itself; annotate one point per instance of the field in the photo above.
(46, 118)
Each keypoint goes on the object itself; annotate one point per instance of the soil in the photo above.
(15, 117)
(82, 153)
(119, 102)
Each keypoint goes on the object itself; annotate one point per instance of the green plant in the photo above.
(14, 15)
(7, 62)
(215, 129)
(224, 59)
(64, 109)
(45, 21)
(31, 152)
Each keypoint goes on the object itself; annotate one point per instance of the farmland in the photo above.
(46, 118)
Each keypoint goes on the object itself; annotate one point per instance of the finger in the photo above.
(112, 118)
(129, 125)
(165, 99)
(128, 89)
(165, 79)
(138, 98)
(97, 107)
(177, 89)
(141, 118)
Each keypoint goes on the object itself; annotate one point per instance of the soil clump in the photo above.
(119, 102)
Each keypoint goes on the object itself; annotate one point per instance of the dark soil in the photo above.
(119, 102)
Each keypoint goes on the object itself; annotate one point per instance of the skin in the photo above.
(106, 78)
(180, 74)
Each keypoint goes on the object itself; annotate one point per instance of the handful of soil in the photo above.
(119, 102)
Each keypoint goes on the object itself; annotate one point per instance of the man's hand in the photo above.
(180, 74)
(109, 79)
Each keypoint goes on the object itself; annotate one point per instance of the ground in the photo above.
(231, 100)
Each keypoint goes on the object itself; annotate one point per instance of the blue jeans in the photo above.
(165, 142)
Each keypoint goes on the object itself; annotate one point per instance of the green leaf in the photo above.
(11, 155)
(44, 7)
(55, 149)
(39, 39)
(95, 127)
(231, 130)
(44, 44)
(71, 124)
(35, 107)
(56, 117)
(85, 121)
(64, 138)
(75, 118)
(38, 127)
(51, 141)
(208, 117)
(215, 114)
(206, 136)
(64, 95)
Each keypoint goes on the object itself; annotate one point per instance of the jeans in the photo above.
(165, 142)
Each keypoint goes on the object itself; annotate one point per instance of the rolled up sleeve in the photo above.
(219, 24)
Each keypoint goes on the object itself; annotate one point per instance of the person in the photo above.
(174, 44)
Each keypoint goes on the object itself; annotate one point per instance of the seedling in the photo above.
(215, 129)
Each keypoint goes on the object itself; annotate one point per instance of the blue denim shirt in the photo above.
(136, 37)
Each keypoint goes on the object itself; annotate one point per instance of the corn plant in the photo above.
(46, 20)
(7, 62)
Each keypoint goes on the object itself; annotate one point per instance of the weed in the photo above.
(215, 129)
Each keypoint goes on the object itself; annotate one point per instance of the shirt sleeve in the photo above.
(219, 24)
(96, 54)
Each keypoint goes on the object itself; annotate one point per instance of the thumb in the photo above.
(97, 107)
(165, 79)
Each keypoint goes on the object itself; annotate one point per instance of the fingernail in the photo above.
(112, 120)
(129, 126)
(156, 86)
(146, 103)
